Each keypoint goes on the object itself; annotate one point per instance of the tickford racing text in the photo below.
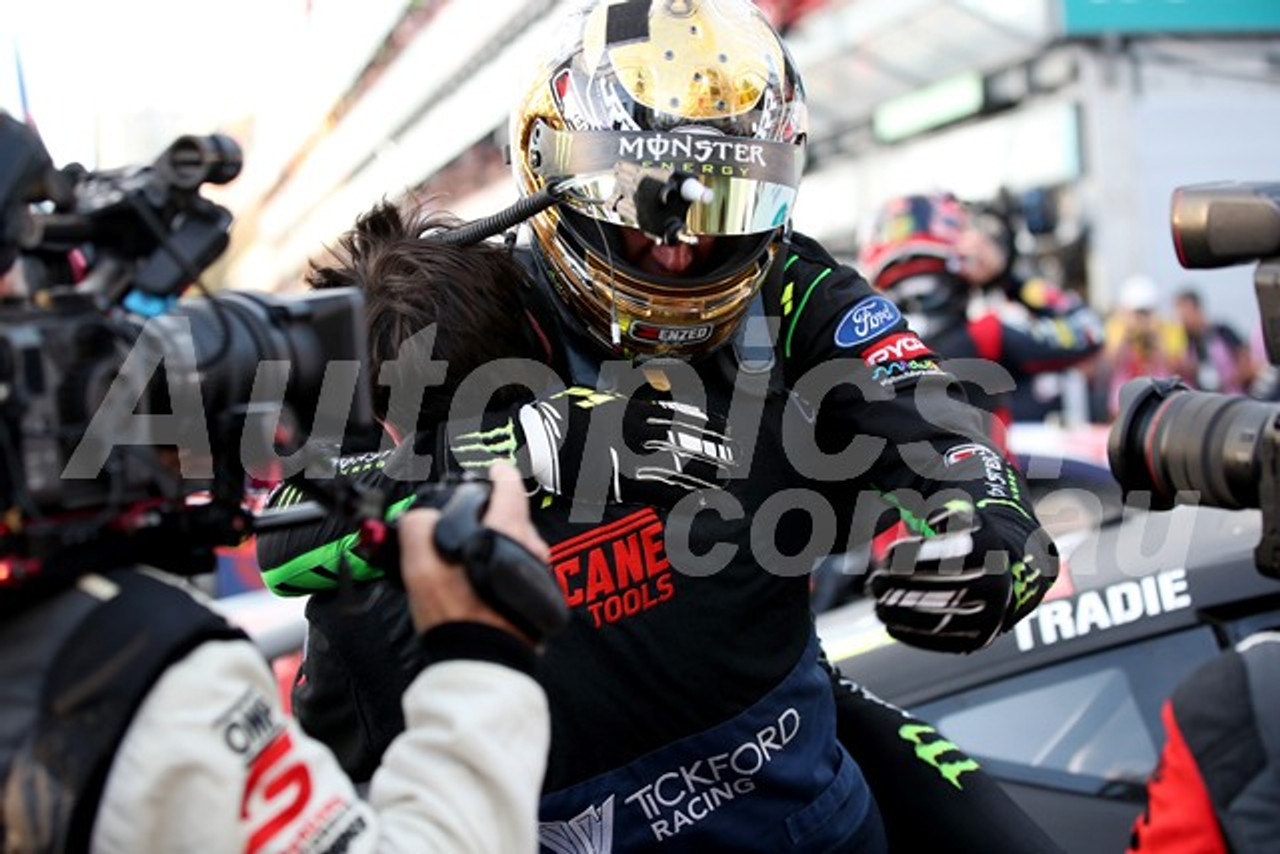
(1108, 608)
(683, 796)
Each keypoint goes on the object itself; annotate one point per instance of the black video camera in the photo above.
(1176, 444)
(129, 420)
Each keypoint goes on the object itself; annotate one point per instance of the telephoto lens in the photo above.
(1169, 440)
(234, 347)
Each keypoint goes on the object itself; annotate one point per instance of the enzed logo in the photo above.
(896, 348)
(650, 332)
(865, 321)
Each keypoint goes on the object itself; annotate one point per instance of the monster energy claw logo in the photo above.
(1026, 581)
(931, 746)
(483, 448)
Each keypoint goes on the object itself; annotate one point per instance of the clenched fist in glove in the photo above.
(962, 578)
(602, 446)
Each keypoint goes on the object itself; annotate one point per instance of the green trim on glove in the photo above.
(319, 569)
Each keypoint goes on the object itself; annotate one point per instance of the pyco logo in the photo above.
(896, 348)
(865, 321)
(654, 334)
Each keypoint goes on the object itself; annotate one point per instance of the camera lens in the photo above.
(194, 160)
(1169, 439)
(233, 333)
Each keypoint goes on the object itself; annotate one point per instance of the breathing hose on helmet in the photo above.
(482, 229)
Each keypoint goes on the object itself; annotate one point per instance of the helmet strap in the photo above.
(615, 328)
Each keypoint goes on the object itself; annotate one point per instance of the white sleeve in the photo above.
(212, 763)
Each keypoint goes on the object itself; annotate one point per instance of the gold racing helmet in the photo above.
(698, 89)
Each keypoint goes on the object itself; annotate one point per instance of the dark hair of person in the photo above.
(410, 282)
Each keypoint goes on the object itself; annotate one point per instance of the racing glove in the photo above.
(962, 579)
(649, 451)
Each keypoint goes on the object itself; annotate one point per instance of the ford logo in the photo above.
(865, 321)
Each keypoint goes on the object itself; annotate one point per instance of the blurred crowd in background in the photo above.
(1145, 334)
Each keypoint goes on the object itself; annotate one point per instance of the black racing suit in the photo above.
(690, 705)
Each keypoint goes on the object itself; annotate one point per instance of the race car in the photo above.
(1065, 709)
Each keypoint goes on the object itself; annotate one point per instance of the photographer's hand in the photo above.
(438, 591)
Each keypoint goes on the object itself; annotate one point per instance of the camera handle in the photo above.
(1266, 284)
(1267, 553)
(504, 574)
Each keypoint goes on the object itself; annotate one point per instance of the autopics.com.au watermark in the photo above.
(844, 449)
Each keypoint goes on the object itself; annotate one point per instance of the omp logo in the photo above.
(249, 725)
(616, 570)
(931, 747)
(865, 321)
(896, 348)
(668, 334)
(588, 832)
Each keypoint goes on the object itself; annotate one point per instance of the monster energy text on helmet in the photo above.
(703, 87)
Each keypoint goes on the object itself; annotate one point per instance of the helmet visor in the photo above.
(752, 182)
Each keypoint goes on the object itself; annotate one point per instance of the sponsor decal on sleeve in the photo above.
(1001, 484)
(866, 321)
(897, 348)
(277, 803)
(965, 451)
(892, 373)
